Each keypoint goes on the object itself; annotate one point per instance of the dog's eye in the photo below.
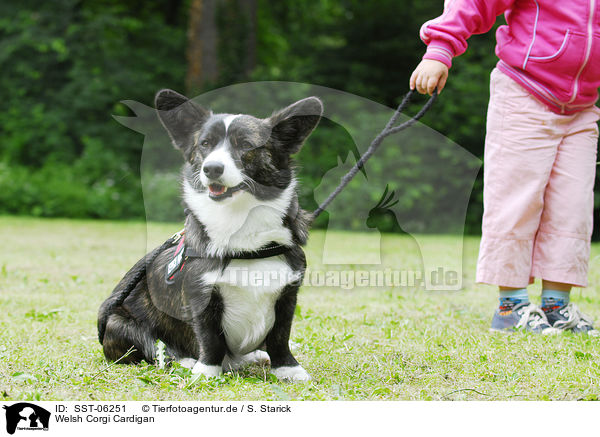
(247, 145)
(205, 143)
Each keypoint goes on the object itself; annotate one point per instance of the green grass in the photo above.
(370, 344)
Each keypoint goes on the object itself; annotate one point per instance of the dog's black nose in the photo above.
(213, 169)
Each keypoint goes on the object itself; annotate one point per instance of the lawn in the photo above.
(361, 344)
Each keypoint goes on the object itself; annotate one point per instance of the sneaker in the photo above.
(570, 318)
(527, 316)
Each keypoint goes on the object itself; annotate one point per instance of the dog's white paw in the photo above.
(291, 373)
(238, 362)
(208, 371)
(188, 363)
(258, 357)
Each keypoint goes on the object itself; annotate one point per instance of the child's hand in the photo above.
(428, 76)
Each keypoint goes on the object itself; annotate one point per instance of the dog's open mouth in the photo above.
(220, 192)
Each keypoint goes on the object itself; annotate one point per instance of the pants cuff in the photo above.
(561, 258)
(514, 263)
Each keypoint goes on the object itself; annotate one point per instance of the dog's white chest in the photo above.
(249, 289)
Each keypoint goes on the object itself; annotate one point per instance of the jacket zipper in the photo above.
(588, 50)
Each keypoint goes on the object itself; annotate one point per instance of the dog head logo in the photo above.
(26, 416)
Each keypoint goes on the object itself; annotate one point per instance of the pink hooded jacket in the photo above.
(550, 47)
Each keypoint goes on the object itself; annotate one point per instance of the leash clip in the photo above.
(177, 235)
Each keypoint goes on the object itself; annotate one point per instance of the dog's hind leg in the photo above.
(232, 363)
(188, 363)
(122, 334)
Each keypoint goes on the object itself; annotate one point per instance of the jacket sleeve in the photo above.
(446, 36)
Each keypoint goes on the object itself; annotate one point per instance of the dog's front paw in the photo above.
(206, 370)
(291, 373)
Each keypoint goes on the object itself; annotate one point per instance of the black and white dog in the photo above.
(222, 308)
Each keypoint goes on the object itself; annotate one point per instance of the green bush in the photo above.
(65, 65)
(60, 190)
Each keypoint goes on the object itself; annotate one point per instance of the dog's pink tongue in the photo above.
(217, 189)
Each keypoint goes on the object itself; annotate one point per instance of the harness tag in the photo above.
(176, 263)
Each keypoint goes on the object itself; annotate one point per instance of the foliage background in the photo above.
(65, 66)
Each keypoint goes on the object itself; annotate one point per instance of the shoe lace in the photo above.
(532, 316)
(576, 319)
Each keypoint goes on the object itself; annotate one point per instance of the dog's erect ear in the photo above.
(180, 116)
(292, 125)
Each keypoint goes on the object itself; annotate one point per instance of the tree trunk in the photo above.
(202, 45)
(249, 8)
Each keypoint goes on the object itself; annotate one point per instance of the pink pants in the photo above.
(539, 171)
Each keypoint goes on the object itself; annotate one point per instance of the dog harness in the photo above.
(183, 252)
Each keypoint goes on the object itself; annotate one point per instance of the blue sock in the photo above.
(511, 298)
(553, 299)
